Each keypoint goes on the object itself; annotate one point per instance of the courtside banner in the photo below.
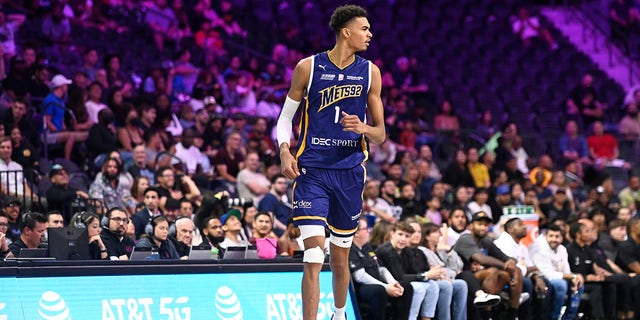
(224, 296)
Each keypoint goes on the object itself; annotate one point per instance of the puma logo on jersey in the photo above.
(323, 67)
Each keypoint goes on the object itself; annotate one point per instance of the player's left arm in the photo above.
(376, 131)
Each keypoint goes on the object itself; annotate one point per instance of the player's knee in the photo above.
(309, 231)
(343, 242)
(313, 255)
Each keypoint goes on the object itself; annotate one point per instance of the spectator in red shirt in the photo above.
(603, 148)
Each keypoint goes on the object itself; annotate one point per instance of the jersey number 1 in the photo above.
(337, 118)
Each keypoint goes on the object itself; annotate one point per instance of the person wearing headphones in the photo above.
(114, 225)
(91, 222)
(156, 237)
(181, 234)
(34, 226)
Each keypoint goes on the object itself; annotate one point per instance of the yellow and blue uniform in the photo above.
(331, 161)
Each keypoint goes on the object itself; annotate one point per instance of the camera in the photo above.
(239, 202)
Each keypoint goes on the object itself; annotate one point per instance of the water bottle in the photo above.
(575, 300)
(214, 253)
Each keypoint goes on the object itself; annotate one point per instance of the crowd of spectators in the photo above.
(186, 156)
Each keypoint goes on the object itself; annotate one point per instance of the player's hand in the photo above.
(288, 165)
(352, 123)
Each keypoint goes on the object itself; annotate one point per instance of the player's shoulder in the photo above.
(305, 64)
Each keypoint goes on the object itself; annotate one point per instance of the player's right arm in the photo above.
(299, 82)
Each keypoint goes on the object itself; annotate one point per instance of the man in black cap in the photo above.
(11, 207)
(490, 265)
(60, 194)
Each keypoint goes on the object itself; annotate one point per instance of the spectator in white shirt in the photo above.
(509, 243)
(252, 183)
(551, 258)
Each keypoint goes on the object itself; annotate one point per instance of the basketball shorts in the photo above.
(329, 197)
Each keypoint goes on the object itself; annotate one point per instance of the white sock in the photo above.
(338, 313)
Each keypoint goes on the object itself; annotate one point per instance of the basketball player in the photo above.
(339, 88)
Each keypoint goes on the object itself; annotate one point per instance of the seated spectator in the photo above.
(150, 209)
(277, 203)
(186, 209)
(629, 258)
(408, 79)
(374, 284)
(630, 124)
(624, 17)
(545, 165)
(33, 228)
(510, 243)
(479, 203)
(185, 150)
(55, 219)
(457, 174)
(108, 189)
(94, 103)
(458, 223)
(248, 212)
(56, 28)
(559, 207)
(446, 122)
(616, 281)
(4, 237)
(168, 188)
(251, 182)
(156, 153)
(585, 263)
(54, 114)
(140, 184)
(124, 177)
(181, 234)
(452, 298)
(11, 208)
(91, 222)
(16, 84)
(12, 174)
(527, 27)
(162, 21)
(586, 100)
(399, 260)
(263, 236)
(603, 148)
(213, 235)
(630, 195)
(559, 181)
(23, 152)
(232, 226)
(230, 160)
(490, 265)
(102, 137)
(9, 25)
(486, 128)
(116, 79)
(551, 258)
(616, 233)
(478, 170)
(60, 195)
(90, 63)
(172, 210)
(156, 238)
(15, 116)
(140, 168)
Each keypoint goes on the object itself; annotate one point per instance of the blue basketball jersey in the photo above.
(331, 91)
